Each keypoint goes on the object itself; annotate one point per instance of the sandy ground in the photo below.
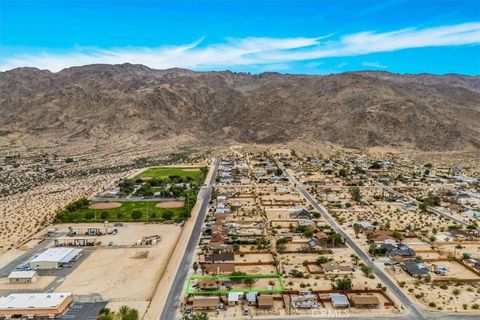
(124, 274)
(24, 214)
(445, 299)
(165, 283)
(105, 205)
(170, 204)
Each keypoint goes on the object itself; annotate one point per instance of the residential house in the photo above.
(339, 301)
(400, 250)
(304, 301)
(234, 298)
(251, 298)
(415, 269)
(209, 284)
(332, 268)
(265, 301)
(364, 301)
(219, 268)
(205, 302)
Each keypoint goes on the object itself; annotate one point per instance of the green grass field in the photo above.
(123, 213)
(164, 172)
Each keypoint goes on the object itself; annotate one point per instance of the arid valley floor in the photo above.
(259, 232)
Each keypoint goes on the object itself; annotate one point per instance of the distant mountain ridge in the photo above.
(356, 109)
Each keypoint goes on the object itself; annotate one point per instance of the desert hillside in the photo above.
(361, 109)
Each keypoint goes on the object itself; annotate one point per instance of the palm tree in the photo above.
(249, 282)
(356, 228)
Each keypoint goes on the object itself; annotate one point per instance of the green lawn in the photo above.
(125, 211)
(165, 172)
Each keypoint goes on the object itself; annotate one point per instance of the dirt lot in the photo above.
(255, 257)
(124, 274)
(40, 284)
(170, 204)
(260, 269)
(448, 297)
(282, 214)
(105, 205)
(473, 248)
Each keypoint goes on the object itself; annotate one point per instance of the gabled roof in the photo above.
(265, 301)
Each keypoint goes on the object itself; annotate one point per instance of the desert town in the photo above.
(264, 233)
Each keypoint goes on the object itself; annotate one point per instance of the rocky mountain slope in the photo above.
(360, 109)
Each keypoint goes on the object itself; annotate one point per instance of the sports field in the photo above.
(165, 172)
(148, 211)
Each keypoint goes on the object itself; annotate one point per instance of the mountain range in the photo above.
(355, 109)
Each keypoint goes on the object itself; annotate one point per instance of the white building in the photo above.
(35, 305)
(54, 258)
(23, 276)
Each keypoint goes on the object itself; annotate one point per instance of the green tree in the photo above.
(168, 215)
(119, 215)
(357, 228)
(343, 284)
(89, 215)
(355, 193)
(335, 239)
(195, 267)
(196, 316)
(137, 215)
(104, 215)
(321, 260)
(249, 282)
(366, 270)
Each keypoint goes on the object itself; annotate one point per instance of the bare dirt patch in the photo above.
(105, 205)
(170, 204)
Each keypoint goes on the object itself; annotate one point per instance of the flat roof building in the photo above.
(339, 300)
(54, 258)
(35, 305)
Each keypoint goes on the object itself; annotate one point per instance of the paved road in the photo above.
(9, 267)
(173, 299)
(414, 311)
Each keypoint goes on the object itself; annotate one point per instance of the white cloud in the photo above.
(375, 65)
(252, 51)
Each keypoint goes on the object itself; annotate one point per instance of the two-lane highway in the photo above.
(414, 311)
(173, 298)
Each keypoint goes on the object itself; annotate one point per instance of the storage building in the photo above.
(54, 258)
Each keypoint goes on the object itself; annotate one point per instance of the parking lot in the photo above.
(84, 311)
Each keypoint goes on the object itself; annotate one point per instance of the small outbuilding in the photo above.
(23, 276)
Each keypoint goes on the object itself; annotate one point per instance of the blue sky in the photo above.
(315, 37)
